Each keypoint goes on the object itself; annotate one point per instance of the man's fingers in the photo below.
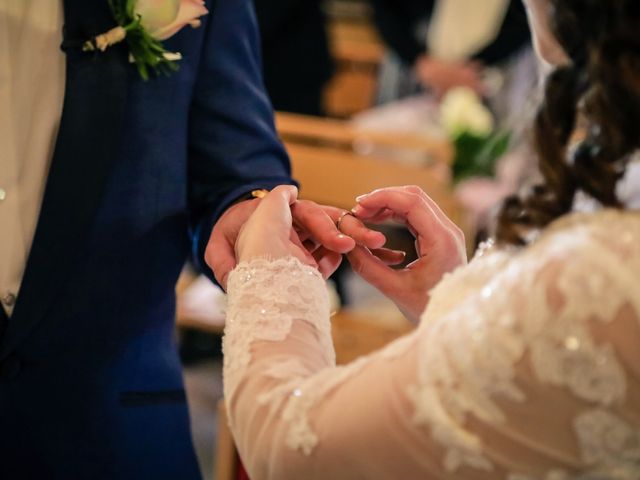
(319, 225)
(311, 245)
(350, 225)
(304, 252)
(328, 261)
(221, 258)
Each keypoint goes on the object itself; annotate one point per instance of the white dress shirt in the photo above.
(460, 28)
(32, 79)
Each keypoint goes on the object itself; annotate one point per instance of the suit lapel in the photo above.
(87, 143)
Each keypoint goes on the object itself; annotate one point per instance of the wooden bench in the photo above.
(357, 53)
(325, 160)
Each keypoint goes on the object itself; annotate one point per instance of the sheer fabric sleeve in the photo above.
(536, 375)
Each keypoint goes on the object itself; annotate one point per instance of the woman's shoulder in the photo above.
(577, 249)
(581, 236)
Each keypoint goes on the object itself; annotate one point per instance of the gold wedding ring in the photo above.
(341, 217)
(259, 193)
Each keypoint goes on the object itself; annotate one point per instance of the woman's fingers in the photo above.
(376, 215)
(369, 204)
(268, 231)
(374, 271)
(316, 222)
(436, 209)
(389, 257)
(410, 208)
(274, 210)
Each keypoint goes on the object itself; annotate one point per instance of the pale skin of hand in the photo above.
(440, 75)
(439, 242)
(273, 219)
(313, 225)
(440, 246)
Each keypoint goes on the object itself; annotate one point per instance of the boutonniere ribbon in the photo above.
(144, 24)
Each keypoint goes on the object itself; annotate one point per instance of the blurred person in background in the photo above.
(489, 38)
(296, 60)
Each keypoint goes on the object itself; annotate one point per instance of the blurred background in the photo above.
(373, 93)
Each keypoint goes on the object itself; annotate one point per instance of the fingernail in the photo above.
(359, 198)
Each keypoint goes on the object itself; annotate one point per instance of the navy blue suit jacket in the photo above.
(90, 381)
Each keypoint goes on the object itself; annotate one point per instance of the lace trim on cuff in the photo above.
(265, 296)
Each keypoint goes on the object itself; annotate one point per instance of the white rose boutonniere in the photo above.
(144, 24)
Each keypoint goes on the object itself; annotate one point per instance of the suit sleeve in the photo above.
(233, 145)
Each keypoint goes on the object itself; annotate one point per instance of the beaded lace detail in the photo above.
(267, 297)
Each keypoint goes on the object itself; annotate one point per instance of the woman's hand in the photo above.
(268, 232)
(314, 227)
(439, 243)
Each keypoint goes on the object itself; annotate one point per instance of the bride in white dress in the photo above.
(526, 362)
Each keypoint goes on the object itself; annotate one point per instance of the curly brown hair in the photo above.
(601, 85)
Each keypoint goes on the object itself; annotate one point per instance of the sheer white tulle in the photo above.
(526, 365)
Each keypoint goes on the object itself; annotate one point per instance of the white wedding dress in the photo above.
(526, 366)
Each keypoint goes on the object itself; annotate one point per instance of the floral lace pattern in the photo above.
(268, 296)
(456, 382)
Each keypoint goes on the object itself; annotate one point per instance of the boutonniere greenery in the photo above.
(144, 24)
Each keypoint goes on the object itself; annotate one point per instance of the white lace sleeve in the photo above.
(526, 367)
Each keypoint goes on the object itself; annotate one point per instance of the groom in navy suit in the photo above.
(90, 381)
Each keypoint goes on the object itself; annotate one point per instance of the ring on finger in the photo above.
(341, 217)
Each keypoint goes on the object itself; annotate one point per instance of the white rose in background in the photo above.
(144, 24)
(462, 110)
(470, 126)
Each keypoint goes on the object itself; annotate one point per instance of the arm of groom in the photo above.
(233, 145)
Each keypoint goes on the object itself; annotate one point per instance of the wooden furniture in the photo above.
(321, 131)
(357, 53)
(330, 170)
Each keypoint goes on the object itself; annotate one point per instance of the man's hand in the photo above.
(220, 252)
(313, 224)
(440, 76)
